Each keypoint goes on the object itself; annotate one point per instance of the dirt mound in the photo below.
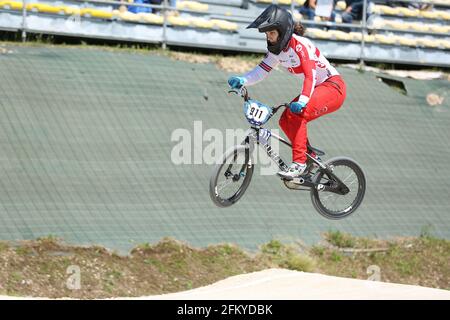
(49, 268)
(282, 284)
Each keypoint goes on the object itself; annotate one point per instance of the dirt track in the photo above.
(282, 284)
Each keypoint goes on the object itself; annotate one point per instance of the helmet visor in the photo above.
(265, 19)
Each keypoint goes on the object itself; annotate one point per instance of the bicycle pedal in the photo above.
(283, 177)
(294, 186)
(299, 180)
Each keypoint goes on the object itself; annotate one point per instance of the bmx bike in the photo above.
(337, 186)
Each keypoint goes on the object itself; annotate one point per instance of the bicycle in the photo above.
(328, 182)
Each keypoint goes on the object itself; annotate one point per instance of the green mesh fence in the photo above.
(86, 146)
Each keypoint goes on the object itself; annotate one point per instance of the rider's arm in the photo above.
(261, 71)
(309, 69)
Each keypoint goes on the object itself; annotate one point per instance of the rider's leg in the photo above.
(287, 124)
(312, 153)
(327, 97)
(290, 123)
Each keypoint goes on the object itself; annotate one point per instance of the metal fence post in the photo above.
(24, 21)
(363, 30)
(164, 37)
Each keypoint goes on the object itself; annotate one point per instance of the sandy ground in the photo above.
(276, 284)
(281, 284)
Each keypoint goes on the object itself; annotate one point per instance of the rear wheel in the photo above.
(333, 205)
(231, 176)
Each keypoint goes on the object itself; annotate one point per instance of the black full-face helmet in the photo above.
(275, 18)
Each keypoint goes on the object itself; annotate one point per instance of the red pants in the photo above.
(326, 98)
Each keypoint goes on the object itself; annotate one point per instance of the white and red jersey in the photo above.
(302, 59)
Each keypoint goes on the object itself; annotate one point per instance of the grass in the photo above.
(339, 239)
(32, 267)
(286, 256)
(3, 246)
(16, 276)
(317, 250)
(420, 261)
(426, 232)
(23, 251)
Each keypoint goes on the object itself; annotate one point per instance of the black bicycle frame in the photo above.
(337, 185)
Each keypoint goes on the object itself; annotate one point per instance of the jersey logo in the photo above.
(299, 49)
(323, 110)
(320, 65)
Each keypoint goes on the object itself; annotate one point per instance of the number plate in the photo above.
(257, 113)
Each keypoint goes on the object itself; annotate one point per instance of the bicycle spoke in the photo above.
(347, 177)
(328, 196)
(351, 183)
(336, 202)
(223, 184)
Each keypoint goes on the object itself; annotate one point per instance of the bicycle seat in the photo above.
(315, 150)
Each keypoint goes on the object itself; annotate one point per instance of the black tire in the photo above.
(318, 197)
(228, 162)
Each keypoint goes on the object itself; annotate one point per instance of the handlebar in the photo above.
(274, 110)
(242, 91)
(244, 94)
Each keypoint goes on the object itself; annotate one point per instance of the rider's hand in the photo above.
(236, 82)
(296, 107)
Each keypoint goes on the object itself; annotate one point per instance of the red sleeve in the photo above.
(309, 69)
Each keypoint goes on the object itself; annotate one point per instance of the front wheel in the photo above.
(334, 205)
(231, 176)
